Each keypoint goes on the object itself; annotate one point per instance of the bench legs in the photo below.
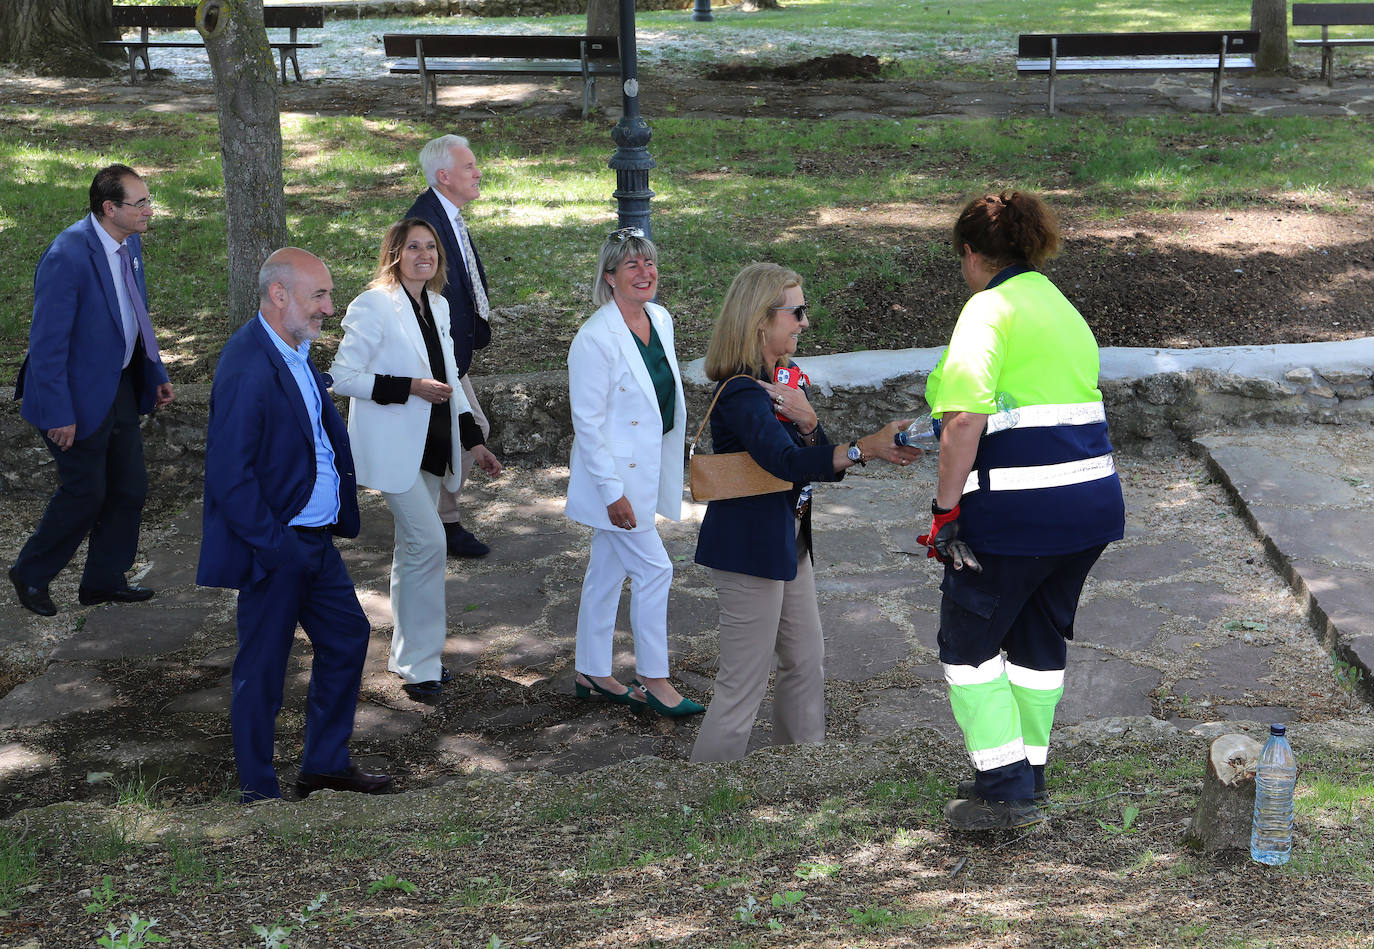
(289, 55)
(1216, 93)
(135, 54)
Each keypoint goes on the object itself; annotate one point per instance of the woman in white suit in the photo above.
(628, 415)
(408, 423)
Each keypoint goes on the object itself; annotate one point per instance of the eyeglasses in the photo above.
(142, 204)
(798, 311)
(621, 235)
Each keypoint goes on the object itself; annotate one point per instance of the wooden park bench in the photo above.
(431, 55)
(1055, 53)
(1328, 15)
(145, 17)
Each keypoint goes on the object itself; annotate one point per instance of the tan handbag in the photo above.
(733, 474)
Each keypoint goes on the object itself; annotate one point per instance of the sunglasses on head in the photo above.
(621, 235)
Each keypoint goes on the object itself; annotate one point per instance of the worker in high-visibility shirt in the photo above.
(1027, 499)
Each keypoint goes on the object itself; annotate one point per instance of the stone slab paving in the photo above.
(1186, 620)
(1309, 494)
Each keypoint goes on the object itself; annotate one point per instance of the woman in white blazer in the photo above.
(408, 423)
(628, 415)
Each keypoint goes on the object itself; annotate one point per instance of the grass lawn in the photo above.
(828, 847)
(857, 208)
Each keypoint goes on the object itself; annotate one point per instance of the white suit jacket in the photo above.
(619, 446)
(382, 337)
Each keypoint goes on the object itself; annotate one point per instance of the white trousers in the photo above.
(420, 621)
(617, 554)
(448, 500)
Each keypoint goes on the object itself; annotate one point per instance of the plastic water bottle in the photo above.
(922, 433)
(1007, 415)
(1271, 836)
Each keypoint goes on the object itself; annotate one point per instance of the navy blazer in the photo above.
(260, 463)
(758, 535)
(470, 332)
(76, 342)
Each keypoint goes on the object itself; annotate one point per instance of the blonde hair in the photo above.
(737, 339)
(389, 259)
(613, 252)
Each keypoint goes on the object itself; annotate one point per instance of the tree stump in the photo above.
(1226, 806)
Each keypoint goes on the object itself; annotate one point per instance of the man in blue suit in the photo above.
(451, 170)
(93, 367)
(279, 484)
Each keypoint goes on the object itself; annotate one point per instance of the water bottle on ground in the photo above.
(1271, 836)
(924, 433)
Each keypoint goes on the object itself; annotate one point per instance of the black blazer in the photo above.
(758, 535)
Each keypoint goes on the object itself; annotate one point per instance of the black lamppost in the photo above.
(631, 160)
(701, 12)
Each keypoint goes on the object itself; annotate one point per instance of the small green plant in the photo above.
(103, 897)
(391, 882)
(748, 911)
(18, 866)
(136, 790)
(871, 917)
(188, 864)
(1128, 816)
(815, 871)
(278, 935)
(1348, 675)
(140, 933)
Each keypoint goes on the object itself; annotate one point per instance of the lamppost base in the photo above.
(701, 13)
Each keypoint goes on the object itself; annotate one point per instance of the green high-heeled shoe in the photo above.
(680, 710)
(623, 698)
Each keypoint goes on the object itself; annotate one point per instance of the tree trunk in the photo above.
(1270, 17)
(56, 37)
(603, 17)
(1226, 806)
(249, 142)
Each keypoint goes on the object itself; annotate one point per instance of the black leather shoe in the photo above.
(445, 677)
(33, 599)
(125, 594)
(461, 543)
(353, 780)
(420, 691)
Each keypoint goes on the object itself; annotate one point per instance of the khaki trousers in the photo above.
(758, 619)
(448, 500)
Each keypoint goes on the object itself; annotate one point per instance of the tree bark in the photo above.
(1226, 806)
(56, 37)
(250, 142)
(1270, 17)
(603, 17)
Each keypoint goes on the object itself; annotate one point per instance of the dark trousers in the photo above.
(1024, 606)
(102, 485)
(315, 591)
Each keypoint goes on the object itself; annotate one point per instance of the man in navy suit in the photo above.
(279, 484)
(93, 367)
(451, 170)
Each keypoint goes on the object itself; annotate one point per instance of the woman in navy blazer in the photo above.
(759, 548)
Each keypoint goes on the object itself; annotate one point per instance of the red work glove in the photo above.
(943, 541)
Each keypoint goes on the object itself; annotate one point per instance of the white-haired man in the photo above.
(451, 171)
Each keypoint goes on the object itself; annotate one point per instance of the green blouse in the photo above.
(656, 361)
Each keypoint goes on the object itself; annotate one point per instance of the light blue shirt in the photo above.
(323, 507)
(126, 306)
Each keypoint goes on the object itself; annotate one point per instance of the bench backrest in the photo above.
(1333, 14)
(496, 47)
(1037, 45)
(184, 18)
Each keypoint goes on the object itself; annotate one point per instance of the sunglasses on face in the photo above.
(798, 311)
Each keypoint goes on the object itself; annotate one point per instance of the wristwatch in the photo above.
(855, 453)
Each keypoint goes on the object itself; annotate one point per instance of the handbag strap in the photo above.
(707, 417)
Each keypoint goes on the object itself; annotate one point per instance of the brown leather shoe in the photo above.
(352, 780)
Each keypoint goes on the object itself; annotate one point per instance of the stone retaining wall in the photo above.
(357, 9)
(531, 420)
